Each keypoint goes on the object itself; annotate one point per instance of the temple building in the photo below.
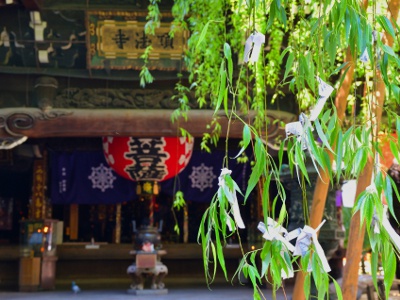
(70, 90)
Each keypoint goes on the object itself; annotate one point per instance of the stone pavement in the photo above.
(196, 293)
(188, 294)
(176, 291)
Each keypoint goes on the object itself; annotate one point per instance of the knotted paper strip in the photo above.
(307, 236)
(375, 224)
(299, 128)
(324, 91)
(294, 128)
(253, 46)
(231, 196)
(274, 231)
(365, 56)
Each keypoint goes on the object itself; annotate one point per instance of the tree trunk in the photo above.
(356, 234)
(322, 184)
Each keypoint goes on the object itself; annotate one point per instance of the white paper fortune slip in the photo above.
(274, 231)
(307, 236)
(324, 91)
(252, 47)
(365, 56)
(299, 128)
(231, 196)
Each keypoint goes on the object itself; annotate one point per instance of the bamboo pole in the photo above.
(356, 234)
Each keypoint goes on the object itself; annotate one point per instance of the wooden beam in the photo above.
(37, 123)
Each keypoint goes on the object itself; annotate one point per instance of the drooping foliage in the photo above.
(305, 42)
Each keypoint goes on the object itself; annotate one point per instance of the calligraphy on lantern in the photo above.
(148, 158)
(128, 39)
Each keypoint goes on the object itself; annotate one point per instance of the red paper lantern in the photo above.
(147, 159)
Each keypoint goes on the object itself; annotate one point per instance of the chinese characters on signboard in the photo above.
(118, 39)
(39, 207)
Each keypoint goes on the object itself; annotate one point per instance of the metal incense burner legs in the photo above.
(147, 264)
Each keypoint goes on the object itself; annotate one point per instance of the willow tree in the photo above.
(243, 55)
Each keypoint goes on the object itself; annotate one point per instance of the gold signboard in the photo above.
(38, 206)
(117, 40)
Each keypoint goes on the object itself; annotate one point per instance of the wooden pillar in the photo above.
(73, 221)
(185, 224)
(118, 224)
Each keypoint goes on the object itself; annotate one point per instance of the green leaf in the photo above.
(339, 68)
(339, 153)
(368, 211)
(253, 274)
(258, 167)
(374, 268)
(307, 286)
(337, 289)
(256, 294)
(220, 254)
(228, 56)
(280, 153)
(389, 196)
(396, 92)
(203, 34)
(394, 188)
(253, 258)
(272, 14)
(388, 50)
(360, 160)
(387, 25)
(300, 161)
(215, 265)
(266, 257)
(322, 136)
(282, 213)
(398, 130)
(265, 197)
(287, 49)
(246, 139)
(394, 149)
(222, 87)
(289, 64)
(315, 151)
(332, 48)
(309, 70)
(390, 270)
